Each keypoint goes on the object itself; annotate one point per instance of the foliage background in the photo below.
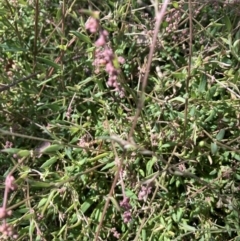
(58, 115)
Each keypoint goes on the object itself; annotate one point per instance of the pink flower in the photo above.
(110, 82)
(125, 203)
(3, 213)
(101, 41)
(92, 25)
(9, 182)
(110, 68)
(121, 60)
(142, 195)
(108, 54)
(104, 56)
(105, 33)
(127, 216)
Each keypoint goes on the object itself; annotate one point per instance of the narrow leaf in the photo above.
(214, 148)
(86, 205)
(220, 135)
(11, 150)
(49, 162)
(48, 62)
(23, 153)
(81, 36)
(52, 148)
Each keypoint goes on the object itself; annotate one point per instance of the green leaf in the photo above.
(86, 205)
(109, 165)
(211, 116)
(179, 75)
(48, 62)
(168, 145)
(236, 156)
(214, 148)
(220, 134)
(64, 228)
(162, 221)
(187, 227)
(74, 129)
(228, 23)
(31, 228)
(178, 183)
(24, 153)
(150, 164)
(202, 85)
(12, 48)
(54, 106)
(226, 41)
(115, 203)
(54, 76)
(42, 202)
(52, 148)
(178, 98)
(81, 36)
(49, 162)
(144, 235)
(50, 199)
(141, 172)
(174, 217)
(11, 150)
(130, 194)
(98, 214)
(3, 12)
(39, 184)
(94, 14)
(179, 214)
(213, 172)
(236, 46)
(62, 47)
(175, 4)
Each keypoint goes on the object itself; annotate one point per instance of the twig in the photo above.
(220, 83)
(62, 41)
(8, 133)
(35, 47)
(18, 81)
(109, 195)
(159, 19)
(112, 187)
(189, 66)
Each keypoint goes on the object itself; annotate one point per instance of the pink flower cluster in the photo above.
(144, 192)
(116, 234)
(104, 56)
(8, 144)
(125, 203)
(127, 215)
(92, 25)
(8, 231)
(4, 213)
(5, 228)
(9, 183)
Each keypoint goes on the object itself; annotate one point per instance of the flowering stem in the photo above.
(109, 195)
(159, 19)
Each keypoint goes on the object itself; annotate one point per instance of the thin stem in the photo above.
(189, 67)
(18, 81)
(35, 50)
(108, 198)
(159, 19)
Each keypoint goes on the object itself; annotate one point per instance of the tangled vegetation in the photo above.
(102, 141)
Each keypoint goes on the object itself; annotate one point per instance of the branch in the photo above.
(18, 81)
(159, 19)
